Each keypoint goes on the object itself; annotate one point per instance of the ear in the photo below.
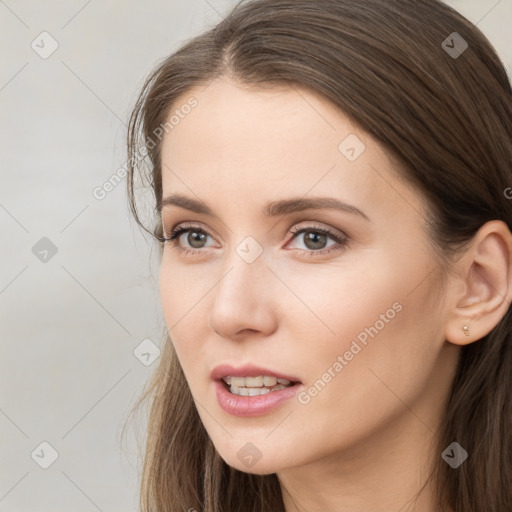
(481, 292)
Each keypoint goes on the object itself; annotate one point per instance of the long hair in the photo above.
(443, 112)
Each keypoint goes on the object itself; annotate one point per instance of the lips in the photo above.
(248, 401)
(248, 370)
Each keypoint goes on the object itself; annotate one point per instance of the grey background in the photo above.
(70, 321)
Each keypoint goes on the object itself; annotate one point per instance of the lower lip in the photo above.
(238, 405)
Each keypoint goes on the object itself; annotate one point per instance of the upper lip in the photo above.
(248, 370)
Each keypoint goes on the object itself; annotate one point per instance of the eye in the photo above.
(316, 237)
(314, 241)
(196, 236)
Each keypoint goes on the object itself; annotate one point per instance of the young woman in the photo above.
(332, 188)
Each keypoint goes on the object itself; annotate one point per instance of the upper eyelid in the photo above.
(342, 241)
(295, 230)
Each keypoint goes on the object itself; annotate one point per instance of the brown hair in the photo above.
(447, 122)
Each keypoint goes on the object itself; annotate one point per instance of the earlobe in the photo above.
(481, 293)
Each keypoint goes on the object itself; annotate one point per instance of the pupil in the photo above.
(314, 237)
(191, 240)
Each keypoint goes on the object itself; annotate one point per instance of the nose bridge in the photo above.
(245, 264)
(242, 297)
(243, 272)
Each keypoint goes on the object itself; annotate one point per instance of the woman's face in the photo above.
(354, 315)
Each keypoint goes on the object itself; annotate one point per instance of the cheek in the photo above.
(182, 289)
(333, 305)
(354, 319)
(181, 308)
(380, 356)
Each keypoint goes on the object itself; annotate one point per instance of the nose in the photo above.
(245, 300)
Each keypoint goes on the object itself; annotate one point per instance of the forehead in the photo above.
(267, 118)
(272, 141)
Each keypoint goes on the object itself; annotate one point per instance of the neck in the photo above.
(389, 471)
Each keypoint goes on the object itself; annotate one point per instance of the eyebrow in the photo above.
(271, 209)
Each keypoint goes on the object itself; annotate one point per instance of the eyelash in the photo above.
(179, 230)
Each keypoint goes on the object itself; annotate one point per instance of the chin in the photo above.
(258, 469)
(256, 466)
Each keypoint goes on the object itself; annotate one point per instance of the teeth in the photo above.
(256, 391)
(253, 386)
(246, 391)
(254, 382)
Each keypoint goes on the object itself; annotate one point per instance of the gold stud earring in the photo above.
(466, 330)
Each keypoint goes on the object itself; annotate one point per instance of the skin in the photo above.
(366, 441)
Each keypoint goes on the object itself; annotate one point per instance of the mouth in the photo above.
(255, 386)
(249, 390)
(250, 380)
